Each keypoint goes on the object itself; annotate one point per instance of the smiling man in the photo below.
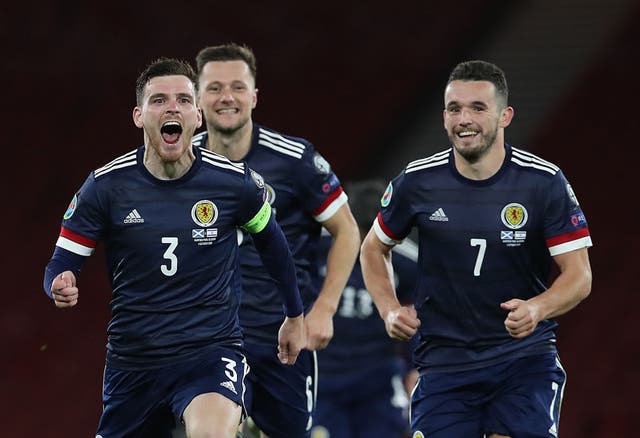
(305, 195)
(491, 220)
(168, 212)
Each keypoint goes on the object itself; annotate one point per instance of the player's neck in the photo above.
(167, 170)
(235, 145)
(487, 166)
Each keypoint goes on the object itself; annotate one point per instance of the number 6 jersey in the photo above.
(481, 243)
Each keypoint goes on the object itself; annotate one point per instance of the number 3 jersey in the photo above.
(481, 243)
(171, 250)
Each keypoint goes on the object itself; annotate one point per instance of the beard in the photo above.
(475, 154)
(228, 130)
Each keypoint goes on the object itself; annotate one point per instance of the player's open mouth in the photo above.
(171, 131)
(467, 133)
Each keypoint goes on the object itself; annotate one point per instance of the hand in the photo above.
(402, 323)
(319, 327)
(64, 290)
(291, 339)
(522, 319)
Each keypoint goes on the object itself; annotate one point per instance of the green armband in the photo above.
(260, 220)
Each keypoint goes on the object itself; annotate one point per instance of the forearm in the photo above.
(377, 271)
(340, 260)
(571, 287)
(566, 292)
(61, 261)
(276, 257)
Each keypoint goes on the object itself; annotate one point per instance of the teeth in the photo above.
(226, 111)
(171, 127)
(467, 133)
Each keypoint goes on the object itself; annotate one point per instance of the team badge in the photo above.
(204, 213)
(322, 166)
(319, 432)
(386, 197)
(417, 434)
(71, 208)
(514, 215)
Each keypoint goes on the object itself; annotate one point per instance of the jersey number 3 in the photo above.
(171, 267)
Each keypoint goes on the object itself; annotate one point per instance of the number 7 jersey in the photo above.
(481, 243)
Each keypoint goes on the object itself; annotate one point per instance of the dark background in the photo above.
(351, 78)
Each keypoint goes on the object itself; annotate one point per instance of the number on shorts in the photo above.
(230, 371)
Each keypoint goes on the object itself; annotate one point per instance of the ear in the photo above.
(254, 101)
(505, 117)
(199, 116)
(137, 117)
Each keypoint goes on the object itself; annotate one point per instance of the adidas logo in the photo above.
(229, 386)
(439, 216)
(133, 218)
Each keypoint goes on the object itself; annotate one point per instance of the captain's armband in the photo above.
(260, 220)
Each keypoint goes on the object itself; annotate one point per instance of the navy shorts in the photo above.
(362, 403)
(149, 403)
(280, 399)
(518, 398)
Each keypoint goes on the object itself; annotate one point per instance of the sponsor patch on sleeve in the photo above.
(322, 166)
(386, 197)
(257, 178)
(71, 208)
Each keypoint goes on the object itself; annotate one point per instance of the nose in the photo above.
(172, 106)
(226, 95)
(465, 116)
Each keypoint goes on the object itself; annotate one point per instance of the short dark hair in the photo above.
(227, 52)
(364, 200)
(164, 67)
(482, 71)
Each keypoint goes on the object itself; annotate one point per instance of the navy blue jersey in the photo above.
(360, 340)
(481, 243)
(171, 250)
(303, 192)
